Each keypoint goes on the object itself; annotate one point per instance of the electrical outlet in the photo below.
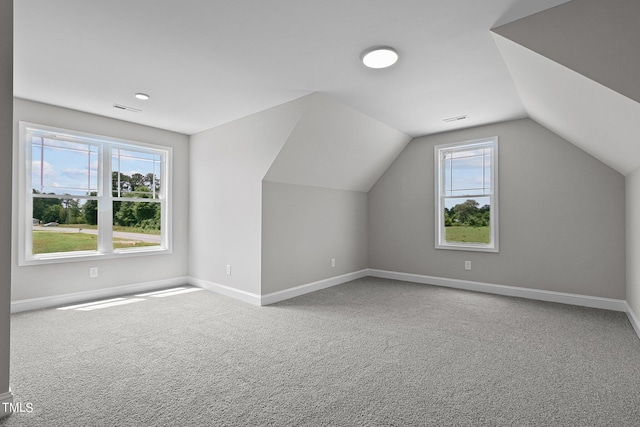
(93, 272)
(467, 265)
(333, 262)
(229, 269)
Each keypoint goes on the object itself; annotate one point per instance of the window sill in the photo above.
(90, 256)
(471, 248)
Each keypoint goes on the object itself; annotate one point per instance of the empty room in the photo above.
(320, 213)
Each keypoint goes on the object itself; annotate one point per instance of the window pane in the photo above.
(136, 224)
(64, 225)
(64, 174)
(466, 196)
(62, 167)
(466, 173)
(467, 220)
(136, 174)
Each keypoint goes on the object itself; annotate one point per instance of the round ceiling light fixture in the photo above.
(379, 57)
(142, 96)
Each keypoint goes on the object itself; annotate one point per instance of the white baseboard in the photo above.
(77, 297)
(5, 398)
(633, 319)
(274, 297)
(228, 291)
(514, 291)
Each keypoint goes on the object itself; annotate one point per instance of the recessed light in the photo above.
(379, 57)
(142, 96)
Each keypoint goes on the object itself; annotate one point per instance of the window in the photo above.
(85, 195)
(466, 181)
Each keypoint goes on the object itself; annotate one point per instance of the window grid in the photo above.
(42, 144)
(484, 189)
(47, 145)
(449, 189)
(156, 167)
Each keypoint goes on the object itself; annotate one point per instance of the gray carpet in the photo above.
(370, 352)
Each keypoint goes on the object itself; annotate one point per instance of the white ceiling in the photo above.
(598, 39)
(208, 62)
(593, 117)
(575, 68)
(333, 146)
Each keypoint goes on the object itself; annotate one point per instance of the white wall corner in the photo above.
(227, 291)
(77, 297)
(633, 319)
(514, 291)
(296, 291)
(334, 146)
(6, 399)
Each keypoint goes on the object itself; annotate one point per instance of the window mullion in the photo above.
(105, 201)
(165, 204)
(41, 164)
(27, 214)
(492, 219)
(443, 191)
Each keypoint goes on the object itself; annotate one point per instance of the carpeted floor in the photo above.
(370, 352)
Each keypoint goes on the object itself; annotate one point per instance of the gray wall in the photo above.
(598, 39)
(304, 227)
(6, 126)
(226, 170)
(309, 144)
(562, 216)
(633, 240)
(36, 281)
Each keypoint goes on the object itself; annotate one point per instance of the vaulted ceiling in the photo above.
(208, 62)
(334, 146)
(575, 67)
(571, 66)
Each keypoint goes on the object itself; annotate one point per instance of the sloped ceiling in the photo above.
(334, 146)
(598, 39)
(205, 63)
(575, 69)
(591, 116)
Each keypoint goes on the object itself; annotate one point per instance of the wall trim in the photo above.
(5, 398)
(273, 297)
(514, 291)
(296, 291)
(227, 291)
(633, 319)
(77, 297)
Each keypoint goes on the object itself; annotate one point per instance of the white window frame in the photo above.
(105, 197)
(439, 191)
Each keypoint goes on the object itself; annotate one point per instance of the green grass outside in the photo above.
(115, 228)
(135, 230)
(45, 242)
(466, 234)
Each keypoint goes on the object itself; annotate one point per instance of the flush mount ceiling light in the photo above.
(142, 96)
(379, 57)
